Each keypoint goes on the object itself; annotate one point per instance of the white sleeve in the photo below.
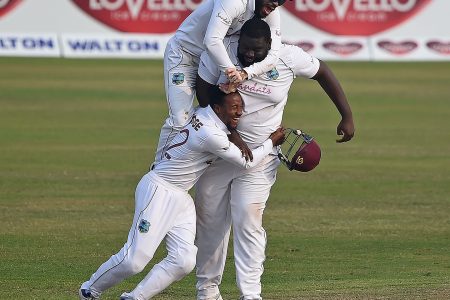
(303, 63)
(270, 61)
(222, 147)
(224, 12)
(207, 69)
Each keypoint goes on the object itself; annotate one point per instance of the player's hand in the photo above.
(236, 139)
(346, 128)
(236, 76)
(228, 87)
(233, 75)
(278, 136)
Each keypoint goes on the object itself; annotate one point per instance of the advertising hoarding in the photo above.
(332, 29)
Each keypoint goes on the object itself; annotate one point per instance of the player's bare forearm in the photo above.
(202, 90)
(332, 87)
(236, 139)
(278, 136)
(330, 84)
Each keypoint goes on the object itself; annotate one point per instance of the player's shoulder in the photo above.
(239, 5)
(211, 132)
(298, 60)
(203, 122)
(291, 53)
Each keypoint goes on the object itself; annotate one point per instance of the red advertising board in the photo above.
(354, 17)
(139, 16)
(328, 29)
(7, 5)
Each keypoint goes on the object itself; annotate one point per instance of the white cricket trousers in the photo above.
(227, 195)
(162, 211)
(180, 73)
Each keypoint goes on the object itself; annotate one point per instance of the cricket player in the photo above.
(205, 29)
(228, 195)
(165, 210)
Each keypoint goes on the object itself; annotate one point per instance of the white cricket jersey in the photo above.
(210, 22)
(197, 145)
(264, 96)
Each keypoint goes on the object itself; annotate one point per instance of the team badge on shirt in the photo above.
(177, 78)
(144, 226)
(273, 74)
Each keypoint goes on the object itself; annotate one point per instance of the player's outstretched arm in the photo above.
(330, 84)
(231, 153)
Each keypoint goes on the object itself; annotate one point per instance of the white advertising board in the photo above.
(113, 45)
(337, 29)
(29, 44)
(334, 48)
(407, 48)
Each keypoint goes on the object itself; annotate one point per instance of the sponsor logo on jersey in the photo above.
(399, 48)
(255, 88)
(178, 78)
(223, 16)
(355, 17)
(7, 5)
(144, 226)
(343, 48)
(439, 47)
(273, 74)
(143, 16)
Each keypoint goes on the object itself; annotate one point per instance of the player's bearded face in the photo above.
(264, 7)
(252, 50)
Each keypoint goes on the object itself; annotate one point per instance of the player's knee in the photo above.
(130, 267)
(179, 119)
(186, 261)
(134, 264)
(134, 267)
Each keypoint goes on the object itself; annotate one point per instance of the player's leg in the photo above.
(213, 227)
(180, 259)
(153, 218)
(249, 194)
(180, 73)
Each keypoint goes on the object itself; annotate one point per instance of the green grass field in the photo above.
(371, 222)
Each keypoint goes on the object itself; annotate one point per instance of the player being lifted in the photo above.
(163, 208)
(205, 29)
(226, 195)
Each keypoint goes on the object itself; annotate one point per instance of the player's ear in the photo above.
(269, 44)
(216, 108)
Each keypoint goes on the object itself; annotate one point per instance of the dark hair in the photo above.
(256, 28)
(216, 96)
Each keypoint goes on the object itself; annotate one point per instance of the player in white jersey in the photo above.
(165, 210)
(226, 195)
(205, 29)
